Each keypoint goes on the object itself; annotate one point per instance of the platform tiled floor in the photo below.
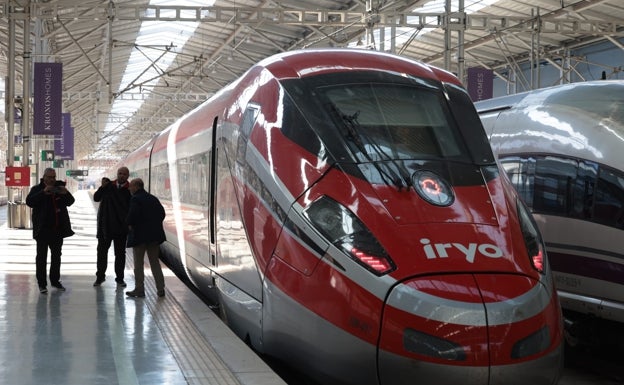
(96, 335)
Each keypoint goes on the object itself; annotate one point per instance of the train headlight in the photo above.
(432, 346)
(533, 344)
(343, 229)
(532, 239)
(433, 188)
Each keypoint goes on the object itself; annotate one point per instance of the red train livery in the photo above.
(346, 211)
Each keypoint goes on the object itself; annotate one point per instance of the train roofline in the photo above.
(287, 65)
(533, 97)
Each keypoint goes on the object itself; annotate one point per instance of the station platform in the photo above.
(98, 335)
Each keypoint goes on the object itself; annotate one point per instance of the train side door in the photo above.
(229, 228)
(212, 190)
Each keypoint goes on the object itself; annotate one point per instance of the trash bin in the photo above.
(12, 215)
(19, 215)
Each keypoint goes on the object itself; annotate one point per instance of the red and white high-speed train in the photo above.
(345, 209)
(563, 149)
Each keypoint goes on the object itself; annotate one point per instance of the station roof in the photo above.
(132, 67)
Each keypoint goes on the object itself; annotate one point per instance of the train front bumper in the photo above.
(485, 329)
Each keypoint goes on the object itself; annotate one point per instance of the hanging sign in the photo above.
(47, 98)
(64, 144)
(47, 155)
(480, 83)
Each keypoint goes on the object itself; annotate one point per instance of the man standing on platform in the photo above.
(114, 197)
(50, 219)
(145, 221)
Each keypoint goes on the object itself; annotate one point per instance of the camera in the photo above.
(57, 187)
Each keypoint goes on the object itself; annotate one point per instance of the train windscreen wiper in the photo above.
(355, 134)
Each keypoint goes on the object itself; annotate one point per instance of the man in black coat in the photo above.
(50, 219)
(114, 198)
(146, 233)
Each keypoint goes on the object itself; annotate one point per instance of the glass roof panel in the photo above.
(157, 45)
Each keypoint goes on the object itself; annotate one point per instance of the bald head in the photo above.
(136, 184)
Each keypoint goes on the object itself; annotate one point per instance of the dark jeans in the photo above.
(54, 242)
(119, 244)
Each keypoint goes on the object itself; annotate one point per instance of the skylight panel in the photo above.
(433, 7)
(158, 43)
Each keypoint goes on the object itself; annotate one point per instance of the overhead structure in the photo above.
(208, 46)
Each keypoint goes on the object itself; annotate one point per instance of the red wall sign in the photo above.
(17, 176)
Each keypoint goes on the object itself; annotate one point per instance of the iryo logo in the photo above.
(439, 250)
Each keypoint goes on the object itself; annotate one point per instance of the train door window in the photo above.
(609, 198)
(249, 118)
(554, 178)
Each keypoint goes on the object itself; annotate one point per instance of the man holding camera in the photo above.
(114, 199)
(50, 219)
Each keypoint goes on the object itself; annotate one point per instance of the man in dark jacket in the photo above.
(146, 233)
(114, 198)
(49, 201)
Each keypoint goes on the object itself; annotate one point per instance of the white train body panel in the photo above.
(563, 149)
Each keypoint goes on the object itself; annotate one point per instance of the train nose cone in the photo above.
(471, 329)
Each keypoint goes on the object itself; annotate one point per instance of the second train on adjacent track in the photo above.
(345, 210)
(563, 149)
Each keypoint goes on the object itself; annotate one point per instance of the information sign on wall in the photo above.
(17, 176)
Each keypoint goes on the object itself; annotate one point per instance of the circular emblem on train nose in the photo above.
(432, 188)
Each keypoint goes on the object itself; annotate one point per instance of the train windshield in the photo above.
(383, 126)
(389, 121)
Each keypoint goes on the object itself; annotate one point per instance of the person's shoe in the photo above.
(43, 290)
(99, 281)
(58, 286)
(161, 293)
(121, 282)
(135, 294)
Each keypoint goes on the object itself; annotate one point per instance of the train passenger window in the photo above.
(160, 185)
(582, 192)
(295, 126)
(196, 185)
(568, 187)
(184, 177)
(251, 113)
(553, 182)
(249, 119)
(609, 198)
(521, 173)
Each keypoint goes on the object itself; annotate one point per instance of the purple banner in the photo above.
(64, 144)
(47, 98)
(480, 83)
